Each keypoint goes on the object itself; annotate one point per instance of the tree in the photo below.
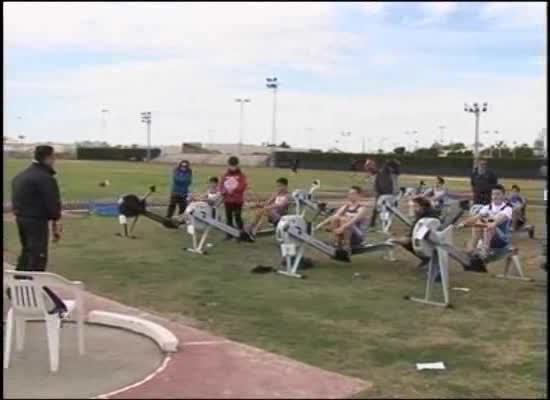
(284, 145)
(399, 151)
(524, 151)
(427, 152)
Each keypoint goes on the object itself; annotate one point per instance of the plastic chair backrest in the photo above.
(26, 293)
(27, 289)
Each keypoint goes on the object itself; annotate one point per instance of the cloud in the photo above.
(436, 12)
(515, 14)
(372, 7)
(195, 58)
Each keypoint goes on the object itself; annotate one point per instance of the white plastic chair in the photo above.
(28, 302)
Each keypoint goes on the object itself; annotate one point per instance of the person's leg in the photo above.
(229, 217)
(171, 206)
(338, 238)
(229, 214)
(258, 219)
(238, 216)
(374, 215)
(23, 258)
(182, 204)
(37, 239)
(477, 234)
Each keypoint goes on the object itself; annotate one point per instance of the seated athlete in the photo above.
(274, 208)
(438, 194)
(422, 208)
(496, 221)
(212, 197)
(519, 204)
(349, 220)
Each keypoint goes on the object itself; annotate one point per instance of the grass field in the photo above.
(493, 342)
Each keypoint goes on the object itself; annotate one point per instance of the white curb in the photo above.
(165, 339)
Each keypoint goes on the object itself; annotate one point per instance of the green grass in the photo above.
(492, 343)
(79, 180)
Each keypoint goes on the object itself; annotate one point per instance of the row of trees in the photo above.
(500, 150)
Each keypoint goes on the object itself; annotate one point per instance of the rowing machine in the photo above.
(294, 233)
(201, 218)
(131, 206)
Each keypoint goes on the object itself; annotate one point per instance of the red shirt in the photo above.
(232, 187)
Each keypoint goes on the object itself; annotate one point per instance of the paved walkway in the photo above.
(209, 366)
(114, 358)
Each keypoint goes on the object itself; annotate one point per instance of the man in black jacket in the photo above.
(483, 181)
(385, 183)
(36, 202)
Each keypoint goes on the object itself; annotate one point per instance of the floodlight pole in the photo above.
(241, 103)
(273, 84)
(146, 118)
(476, 110)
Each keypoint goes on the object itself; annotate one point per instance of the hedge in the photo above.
(115, 153)
(447, 166)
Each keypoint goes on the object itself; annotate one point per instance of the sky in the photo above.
(375, 69)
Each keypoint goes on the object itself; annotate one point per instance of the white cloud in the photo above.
(515, 14)
(372, 7)
(185, 109)
(436, 11)
(200, 52)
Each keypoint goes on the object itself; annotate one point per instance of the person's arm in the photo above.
(362, 214)
(503, 216)
(221, 187)
(493, 180)
(49, 191)
(469, 221)
(52, 199)
(337, 213)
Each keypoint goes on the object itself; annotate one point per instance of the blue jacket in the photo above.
(181, 181)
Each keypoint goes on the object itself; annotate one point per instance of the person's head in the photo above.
(516, 189)
(439, 181)
(184, 165)
(213, 182)
(393, 166)
(233, 163)
(44, 155)
(354, 193)
(482, 166)
(422, 183)
(282, 184)
(497, 194)
(420, 205)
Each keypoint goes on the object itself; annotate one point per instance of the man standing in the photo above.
(385, 183)
(482, 181)
(36, 202)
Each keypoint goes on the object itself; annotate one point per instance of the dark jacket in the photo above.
(232, 187)
(35, 193)
(181, 180)
(482, 185)
(383, 182)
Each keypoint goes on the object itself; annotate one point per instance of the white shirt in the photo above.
(492, 210)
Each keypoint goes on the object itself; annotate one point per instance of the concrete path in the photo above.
(114, 358)
(209, 366)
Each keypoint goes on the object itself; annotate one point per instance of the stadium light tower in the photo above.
(104, 112)
(273, 84)
(411, 133)
(442, 133)
(241, 103)
(146, 118)
(476, 109)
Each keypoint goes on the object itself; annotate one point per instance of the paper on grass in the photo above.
(434, 365)
(462, 289)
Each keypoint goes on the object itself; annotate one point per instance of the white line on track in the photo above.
(139, 383)
(205, 342)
